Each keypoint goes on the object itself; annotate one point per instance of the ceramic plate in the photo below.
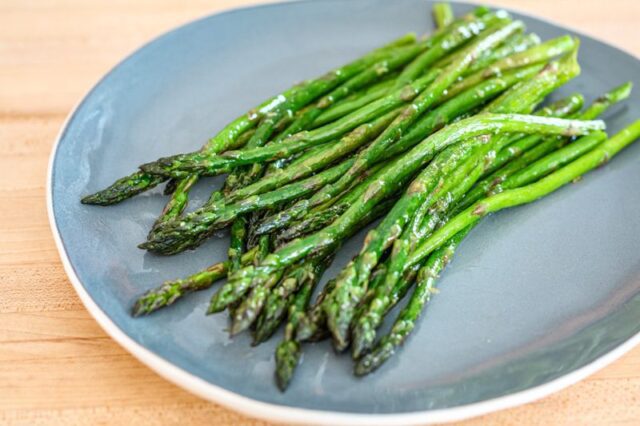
(537, 297)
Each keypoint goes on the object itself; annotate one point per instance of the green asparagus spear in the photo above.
(498, 175)
(442, 14)
(430, 122)
(177, 166)
(302, 169)
(189, 231)
(347, 106)
(352, 281)
(138, 182)
(395, 174)
(527, 194)
(169, 292)
(406, 320)
(536, 54)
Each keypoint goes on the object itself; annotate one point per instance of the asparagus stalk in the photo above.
(536, 54)
(406, 320)
(422, 99)
(429, 123)
(288, 351)
(529, 193)
(275, 308)
(378, 148)
(352, 281)
(189, 231)
(310, 326)
(520, 148)
(171, 291)
(442, 14)
(395, 174)
(141, 181)
(321, 159)
(451, 37)
(347, 106)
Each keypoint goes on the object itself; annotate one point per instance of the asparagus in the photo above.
(310, 326)
(515, 44)
(288, 351)
(423, 102)
(553, 161)
(406, 320)
(442, 14)
(430, 122)
(357, 82)
(536, 54)
(518, 149)
(529, 193)
(252, 305)
(352, 281)
(395, 174)
(307, 274)
(189, 231)
(325, 217)
(408, 316)
(423, 92)
(347, 106)
(183, 164)
(321, 159)
(169, 292)
(237, 243)
(141, 181)
(451, 37)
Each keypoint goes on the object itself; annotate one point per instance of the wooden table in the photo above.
(56, 365)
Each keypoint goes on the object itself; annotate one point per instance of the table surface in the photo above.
(56, 365)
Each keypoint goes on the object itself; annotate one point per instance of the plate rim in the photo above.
(283, 413)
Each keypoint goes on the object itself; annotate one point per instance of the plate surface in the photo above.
(536, 298)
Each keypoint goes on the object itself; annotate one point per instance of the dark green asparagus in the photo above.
(406, 320)
(169, 292)
(431, 122)
(352, 282)
(394, 176)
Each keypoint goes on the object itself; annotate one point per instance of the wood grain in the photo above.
(56, 365)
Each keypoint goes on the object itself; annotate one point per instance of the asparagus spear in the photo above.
(395, 174)
(310, 325)
(348, 105)
(169, 292)
(352, 281)
(529, 193)
(521, 147)
(406, 320)
(189, 231)
(284, 295)
(536, 54)
(176, 166)
(238, 235)
(442, 14)
(252, 305)
(324, 217)
(321, 159)
(288, 351)
(141, 181)
(430, 122)
(450, 37)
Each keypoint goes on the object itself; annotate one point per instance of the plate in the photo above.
(537, 297)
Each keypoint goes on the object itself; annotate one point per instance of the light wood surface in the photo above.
(56, 365)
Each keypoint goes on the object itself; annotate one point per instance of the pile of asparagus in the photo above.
(429, 134)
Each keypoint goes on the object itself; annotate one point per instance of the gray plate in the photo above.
(537, 295)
